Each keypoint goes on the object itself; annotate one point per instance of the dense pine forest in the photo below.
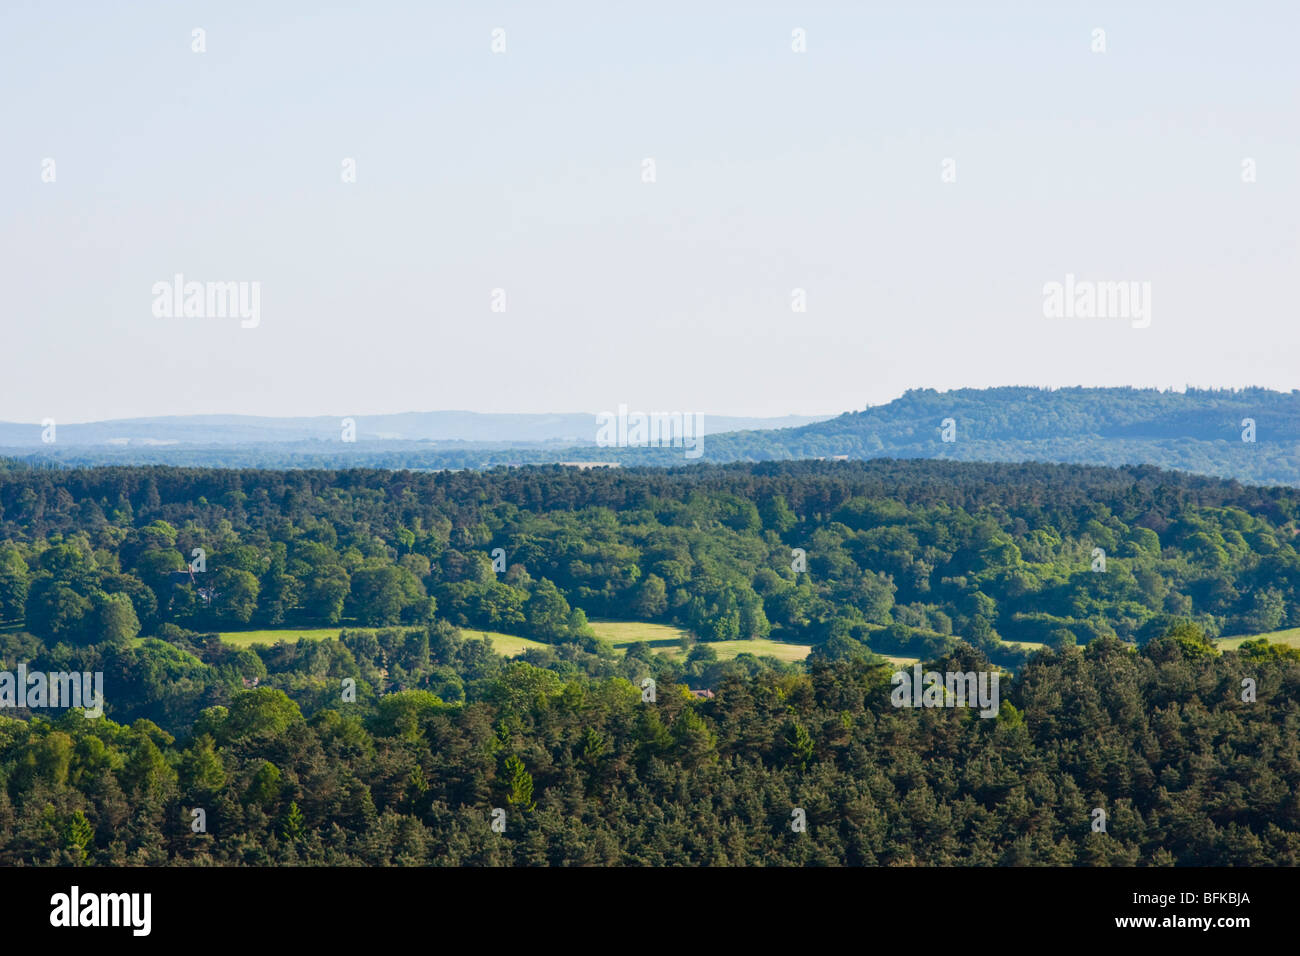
(1097, 591)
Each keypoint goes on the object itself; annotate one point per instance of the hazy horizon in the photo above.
(553, 412)
(825, 416)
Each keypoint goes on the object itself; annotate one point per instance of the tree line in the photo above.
(894, 557)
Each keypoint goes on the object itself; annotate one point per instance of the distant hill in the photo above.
(1198, 431)
(453, 426)
(1028, 414)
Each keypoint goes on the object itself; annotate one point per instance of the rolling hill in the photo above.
(1252, 435)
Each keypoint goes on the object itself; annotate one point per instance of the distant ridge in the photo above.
(461, 426)
(1197, 430)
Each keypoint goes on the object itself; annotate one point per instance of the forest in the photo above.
(883, 555)
(397, 741)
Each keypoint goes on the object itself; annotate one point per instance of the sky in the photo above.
(1171, 159)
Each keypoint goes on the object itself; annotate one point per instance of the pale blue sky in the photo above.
(522, 171)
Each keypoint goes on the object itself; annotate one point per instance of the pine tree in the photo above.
(292, 828)
(521, 784)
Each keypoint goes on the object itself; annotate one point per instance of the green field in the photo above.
(666, 639)
(507, 645)
(662, 638)
(290, 634)
(1290, 637)
(901, 661)
(726, 650)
